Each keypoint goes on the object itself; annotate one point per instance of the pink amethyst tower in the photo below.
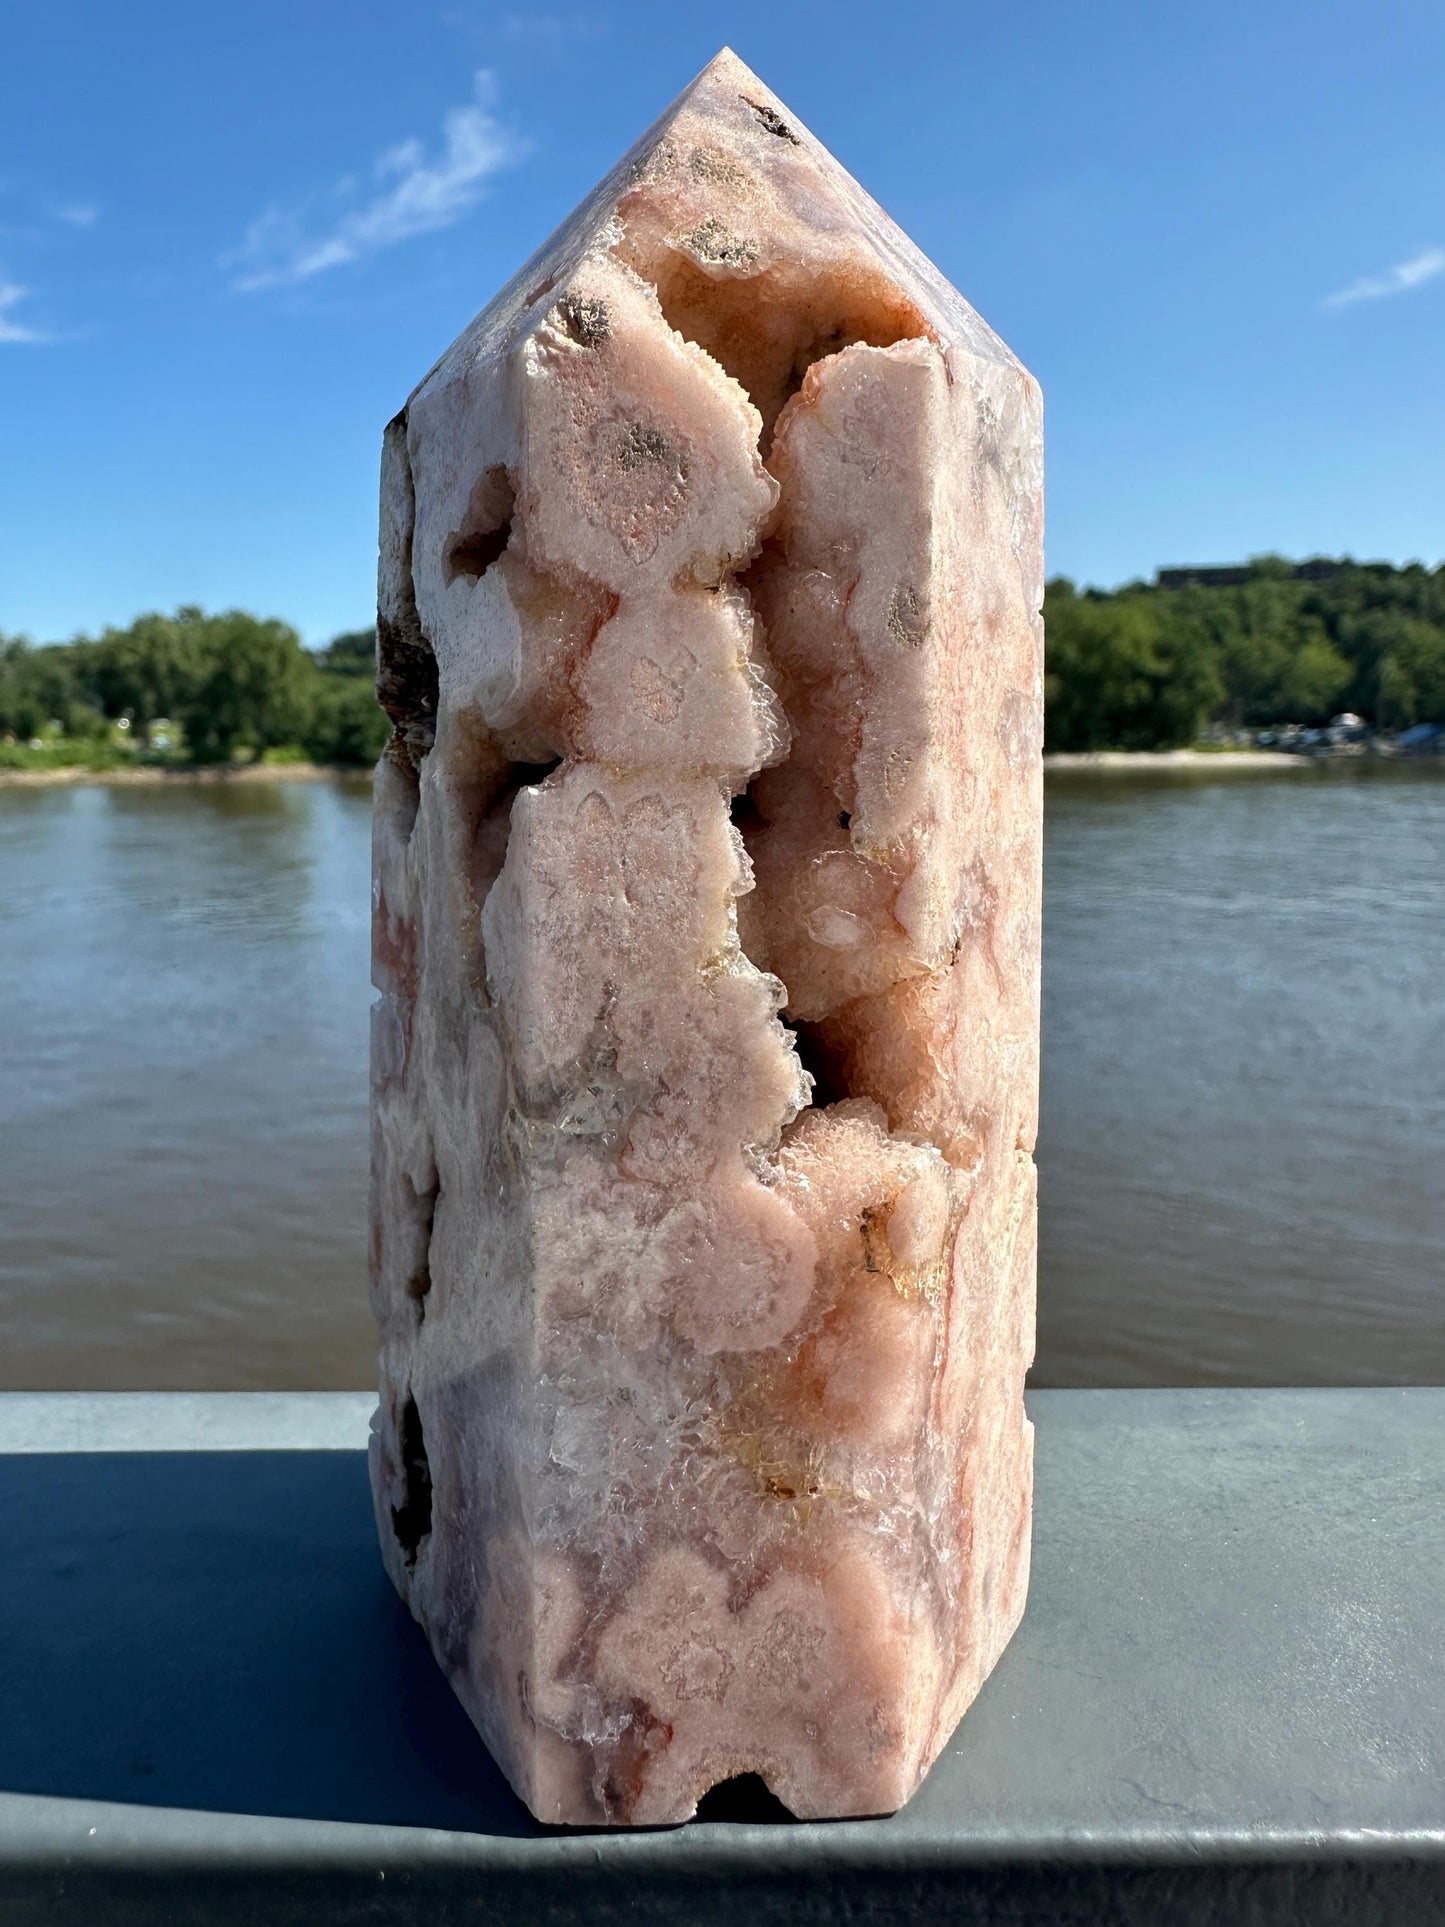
(704, 1068)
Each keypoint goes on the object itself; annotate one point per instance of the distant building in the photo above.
(1224, 578)
(1231, 574)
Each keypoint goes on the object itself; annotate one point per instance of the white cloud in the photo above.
(412, 196)
(1405, 275)
(77, 214)
(559, 31)
(10, 330)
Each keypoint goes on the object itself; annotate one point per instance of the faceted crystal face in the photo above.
(706, 928)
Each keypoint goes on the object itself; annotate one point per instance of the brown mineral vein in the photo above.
(701, 1447)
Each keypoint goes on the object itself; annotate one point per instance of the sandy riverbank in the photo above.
(1219, 762)
(149, 774)
(1223, 762)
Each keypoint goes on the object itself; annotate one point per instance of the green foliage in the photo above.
(1144, 667)
(1315, 679)
(1149, 666)
(352, 654)
(1119, 675)
(1412, 673)
(40, 694)
(147, 671)
(250, 685)
(347, 724)
(229, 685)
(64, 752)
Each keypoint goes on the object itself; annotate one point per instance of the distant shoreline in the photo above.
(1124, 760)
(151, 775)
(1095, 761)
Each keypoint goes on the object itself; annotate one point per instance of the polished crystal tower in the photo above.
(704, 1071)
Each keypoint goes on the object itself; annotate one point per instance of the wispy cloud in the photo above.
(410, 195)
(553, 30)
(1405, 275)
(77, 214)
(11, 294)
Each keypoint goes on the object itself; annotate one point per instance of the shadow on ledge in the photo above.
(214, 1631)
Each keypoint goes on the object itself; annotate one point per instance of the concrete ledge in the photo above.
(1226, 1703)
(32, 1422)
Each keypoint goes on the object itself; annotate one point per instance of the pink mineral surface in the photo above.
(706, 907)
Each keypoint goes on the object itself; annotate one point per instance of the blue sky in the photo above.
(232, 238)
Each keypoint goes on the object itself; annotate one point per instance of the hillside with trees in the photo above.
(1147, 666)
(1151, 665)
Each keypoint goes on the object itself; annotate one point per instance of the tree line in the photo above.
(223, 685)
(1147, 666)
(1152, 665)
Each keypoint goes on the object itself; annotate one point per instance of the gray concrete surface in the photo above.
(1226, 1702)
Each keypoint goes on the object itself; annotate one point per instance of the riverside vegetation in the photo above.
(1146, 666)
(189, 688)
(1152, 665)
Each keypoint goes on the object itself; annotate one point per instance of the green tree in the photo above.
(347, 723)
(1315, 678)
(1282, 642)
(254, 686)
(352, 654)
(39, 688)
(151, 669)
(1412, 675)
(1118, 676)
(1142, 667)
(1256, 630)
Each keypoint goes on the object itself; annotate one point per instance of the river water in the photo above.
(1243, 1145)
